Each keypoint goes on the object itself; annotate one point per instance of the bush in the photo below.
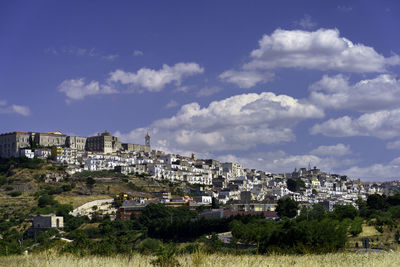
(149, 246)
(46, 200)
(356, 226)
(15, 193)
(3, 181)
(166, 257)
(9, 188)
(345, 211)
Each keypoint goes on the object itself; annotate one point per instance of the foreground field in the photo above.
(340, 259)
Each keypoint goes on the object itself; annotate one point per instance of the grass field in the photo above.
(339, 259)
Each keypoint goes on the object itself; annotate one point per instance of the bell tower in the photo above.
(147, 139)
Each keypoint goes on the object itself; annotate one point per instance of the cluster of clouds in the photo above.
(144, 79)
(322, 50)
(13, 109)
(245, 121)
(239, 122)
(374, 100)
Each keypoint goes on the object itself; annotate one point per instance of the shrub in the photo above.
(149, 246)
(166, 257)
(15, 193)
(3, 181)
(9, 188)
(46, 200)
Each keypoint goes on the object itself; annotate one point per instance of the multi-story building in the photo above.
(135, 148)
(48, 139)
(76, 142)
(11, 143)
(105, 143)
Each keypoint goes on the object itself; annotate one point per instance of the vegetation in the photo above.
(171, 236)
(214, 260)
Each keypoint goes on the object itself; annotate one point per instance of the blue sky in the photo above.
(273, 85)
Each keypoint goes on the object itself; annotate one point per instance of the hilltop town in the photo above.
(245, 190)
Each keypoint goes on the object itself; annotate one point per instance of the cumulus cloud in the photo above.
(376, 172)
(375, 94)
(235, 123)
(208, 91)
(323, 49)
(14, 109)
(382, 124)
(151, 80)
(76, 89)
(245, 79)
(337, 150)
(156, 80)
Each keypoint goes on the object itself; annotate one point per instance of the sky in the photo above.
(273, 85)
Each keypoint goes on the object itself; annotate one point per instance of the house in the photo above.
(48, 221)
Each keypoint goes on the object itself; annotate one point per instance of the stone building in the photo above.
(135, 148)
(76, 142)
(48, 139)
(11, 143)
(105, 143)
(48, 221)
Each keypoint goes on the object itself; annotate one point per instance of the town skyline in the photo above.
(229, 81)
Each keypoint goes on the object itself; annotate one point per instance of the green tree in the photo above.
(295, 185)
(376, 202)
(345, 211)
(90, 182)
(287, 207)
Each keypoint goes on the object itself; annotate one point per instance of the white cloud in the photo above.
(172, 104)
(323, 49)
(183, 89)
(14, 109)
(337, 150)
(245, 79)
(156, 80)
(306, 22)
(393, 145)
(21, 110)
(235, 123)
(111, 57)
(138, 53)
(375, 94)
(280, 162)
(376, 172)
(152, 80)
(207, 91)
(382, 124)
(345, 8)
(76, 89)
(81, 52)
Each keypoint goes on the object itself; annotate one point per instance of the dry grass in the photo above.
(215, 260)
(77, 201)
(368, 230)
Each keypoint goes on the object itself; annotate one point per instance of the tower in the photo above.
(147, 139)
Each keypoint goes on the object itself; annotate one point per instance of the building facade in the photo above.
(104, 142)
(76, 142)
(11, 143)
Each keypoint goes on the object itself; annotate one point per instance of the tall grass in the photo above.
(217, 260)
